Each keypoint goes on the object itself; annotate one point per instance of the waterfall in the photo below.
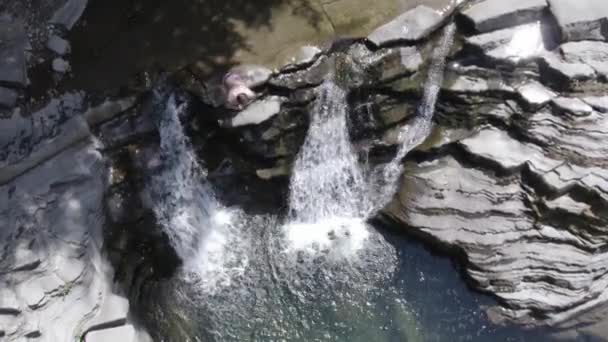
(419, 129)
(184, 204)
(327, 180)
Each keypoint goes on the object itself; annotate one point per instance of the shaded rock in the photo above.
(581, 20)
(535, 94)
(13, 42)
(475, 85)
(69, 133)
(386, 64)
(258, 112)
(252, 75)
(489, 15)
(60, 65)
(305, 56)
(68, 15)
(58, 45)
(107, 110)
(412, 25)
(572, 106)
(8, 97)
(312, 76)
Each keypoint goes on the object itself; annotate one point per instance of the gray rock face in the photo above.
(535, 94)
(492, 15)
(13, 42)
(581, 20)
(412, 25)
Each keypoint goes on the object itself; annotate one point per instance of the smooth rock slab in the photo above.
(535, 94)
(258, 112)
(412, 25)
(492, 15)
(122, 334)
(581, 19)
(572, 106)
(58, 45)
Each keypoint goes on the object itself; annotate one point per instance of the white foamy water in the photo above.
(200, 228)
(330, 197)
(328, 192)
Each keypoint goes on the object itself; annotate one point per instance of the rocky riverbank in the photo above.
(511, 183)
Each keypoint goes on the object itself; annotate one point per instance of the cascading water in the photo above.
(327, 180)
(414, 134)
(322, 275)
(184, 203)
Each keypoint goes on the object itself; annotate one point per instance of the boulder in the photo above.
(412, 25)
(535, 94)
(258, 112)
(581, 19)
(490, 15)
(58, 45)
